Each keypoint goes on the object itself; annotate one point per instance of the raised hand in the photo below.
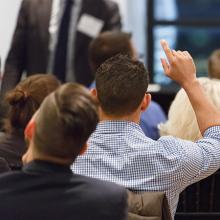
(180, 66)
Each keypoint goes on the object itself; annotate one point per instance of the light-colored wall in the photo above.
(8, 15)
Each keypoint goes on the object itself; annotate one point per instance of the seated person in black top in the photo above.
(23, 101)
(46, 188)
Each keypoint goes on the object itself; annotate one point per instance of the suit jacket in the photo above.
(12, 148)
(29, 48)
(44, 190)
(4, 165)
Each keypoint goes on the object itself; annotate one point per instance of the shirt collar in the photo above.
(118, 126)
(46, 167)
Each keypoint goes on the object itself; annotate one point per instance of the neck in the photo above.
(32, 154)
(133, 117)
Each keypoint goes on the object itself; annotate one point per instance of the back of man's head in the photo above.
(214, 65)
(107, 45)
(121, 85)
(64, 122)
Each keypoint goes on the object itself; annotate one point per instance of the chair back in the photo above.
(148, 206)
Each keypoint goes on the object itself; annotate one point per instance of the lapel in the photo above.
(43, 8)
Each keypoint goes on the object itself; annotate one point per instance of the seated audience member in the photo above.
(107, 45)
(46, 188)
(118, 149)
(214, 64)
(182, 123)
(23, 101)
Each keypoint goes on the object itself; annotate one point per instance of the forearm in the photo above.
(206, 113)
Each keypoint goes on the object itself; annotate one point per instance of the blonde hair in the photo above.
(214, 64)
(182, 121)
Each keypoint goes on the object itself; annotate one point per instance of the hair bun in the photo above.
(16, 97)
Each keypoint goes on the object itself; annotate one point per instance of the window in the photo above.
(186, 25)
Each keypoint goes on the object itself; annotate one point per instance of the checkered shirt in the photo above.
(119, 152)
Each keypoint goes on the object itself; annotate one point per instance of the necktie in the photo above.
(60, 59)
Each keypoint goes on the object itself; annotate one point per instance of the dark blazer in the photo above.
(43, 190)
(12, 148)
(29, 48)
(4, 165)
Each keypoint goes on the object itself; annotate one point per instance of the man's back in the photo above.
(120, 152)
(44, 190)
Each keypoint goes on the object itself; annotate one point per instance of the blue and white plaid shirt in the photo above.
(119, 152)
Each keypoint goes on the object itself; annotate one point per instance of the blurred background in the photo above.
(192, 25)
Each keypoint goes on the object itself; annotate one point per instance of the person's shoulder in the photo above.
(104, 188)
(8, 179)
(108, 197)
(4, 166)
(12, 144)
(4, 140)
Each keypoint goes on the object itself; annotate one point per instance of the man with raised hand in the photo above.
(118, 149)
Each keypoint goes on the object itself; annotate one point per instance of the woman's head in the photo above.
(26, 98)
(182, 121)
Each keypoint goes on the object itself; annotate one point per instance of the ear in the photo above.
(145, 102)
(84, 149)
(134, 51)
(94, 92)
(29, 130)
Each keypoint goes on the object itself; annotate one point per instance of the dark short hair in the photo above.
(107, 45)
(121, 85)
(26, 98)
(65, 120)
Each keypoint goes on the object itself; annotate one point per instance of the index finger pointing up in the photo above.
(167, 50)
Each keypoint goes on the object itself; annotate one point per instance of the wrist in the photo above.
(190, 84)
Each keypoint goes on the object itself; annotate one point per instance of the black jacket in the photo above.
(43, 190)
(12, 148)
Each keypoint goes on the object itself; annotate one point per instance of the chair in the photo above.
(148, 206)
(200, 200)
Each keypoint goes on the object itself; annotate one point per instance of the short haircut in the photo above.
(107, 45)
(64, 122)
(121, 85)
(214, 65)
(182, 121)
(26, 98)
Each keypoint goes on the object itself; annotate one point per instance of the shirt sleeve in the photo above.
(199, 159)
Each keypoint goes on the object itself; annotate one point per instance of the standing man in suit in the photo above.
(52, 36)
(46, 188)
